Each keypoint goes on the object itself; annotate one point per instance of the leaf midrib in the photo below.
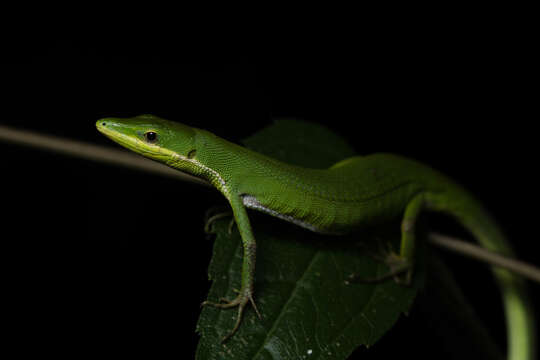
(292, 295)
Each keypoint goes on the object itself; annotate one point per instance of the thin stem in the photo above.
(92, 152)
(123, 158)
(465, 248)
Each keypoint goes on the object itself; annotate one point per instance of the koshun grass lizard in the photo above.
(353, 193)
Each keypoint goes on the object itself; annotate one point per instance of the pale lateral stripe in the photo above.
(223, 183)
(252, 203)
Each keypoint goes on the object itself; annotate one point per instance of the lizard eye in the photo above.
(150, 137)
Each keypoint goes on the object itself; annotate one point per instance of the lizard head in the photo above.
(159, 139)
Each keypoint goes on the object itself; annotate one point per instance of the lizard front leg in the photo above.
(245, 295)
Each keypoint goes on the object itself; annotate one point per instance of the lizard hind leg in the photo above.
(408, 233)
(404, 261)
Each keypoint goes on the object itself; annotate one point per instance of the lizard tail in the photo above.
(519, 314)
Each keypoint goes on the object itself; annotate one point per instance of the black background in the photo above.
(100, 259)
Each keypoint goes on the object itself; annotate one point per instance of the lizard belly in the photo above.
(251, 202)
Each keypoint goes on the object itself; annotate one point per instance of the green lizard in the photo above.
(355, 192)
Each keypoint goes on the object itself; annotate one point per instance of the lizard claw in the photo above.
(397, 264)
(240, 301)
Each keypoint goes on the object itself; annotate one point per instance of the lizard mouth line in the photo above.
(132, 143)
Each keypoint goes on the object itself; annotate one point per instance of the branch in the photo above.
(476, 252)
(92, 152)
(132, 161)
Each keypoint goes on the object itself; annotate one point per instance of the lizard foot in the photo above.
(240, 301)
(397, 264)
(215, 213)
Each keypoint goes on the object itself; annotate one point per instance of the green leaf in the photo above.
(309, 311)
